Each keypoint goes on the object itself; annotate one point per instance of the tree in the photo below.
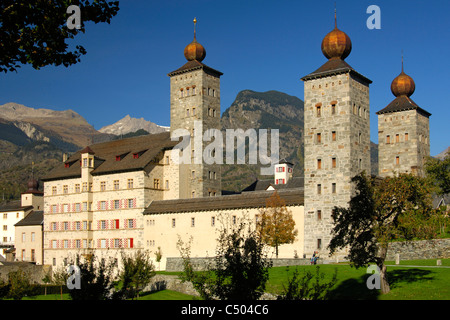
(136, 273)
(35, 31)
(240, 269)
(276, 225)
(380, 211)
(19, 284)
(308, 287)
(96, 278)
(439, 173)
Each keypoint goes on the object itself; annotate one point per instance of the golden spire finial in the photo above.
(195, 22)
(335, 18)
(402, 61)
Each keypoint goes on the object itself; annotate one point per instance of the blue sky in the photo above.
(258, 45)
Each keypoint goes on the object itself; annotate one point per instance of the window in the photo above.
(103, 243)
(54, 245)
(397, 138)
(103, 205)
(213, 221)
(156, 183)
(78, 225)
(24, 237)
(103, 224)
(193, 111)
(77, 188)
(193, 194)
(53, 208)
(65, 208)
(116, 243)
(66, 244)
(234, 219)
(167, 184)
(333, 187)
(116, 204)
(5, 216)
(359, 137)
(319, 138)
(85, 162)
(397, 160)
(388, 139)
(130, 223)
(85, 185)
(406, 136)
(333, 108)
(85, 206)
(319, 214)
(193, 90)
(319, 243)
(53, 226)
(77, 207)
(319, 163)
(116, 184)
(192, 222)
(85, 225)
(5, 228)
(318, 111)
(65, 189)
(66, 225)
(181, 93)
(319, 189)
(102, 185)
(187, 92)
(333, 135)
(167, 159)
(173, 223)
(187, 112)
(130, 183)
(53, 190)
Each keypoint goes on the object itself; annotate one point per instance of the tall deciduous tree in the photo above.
(439, 173)
(137, 272)
(35, 31)
(382, 210)
(276, 225)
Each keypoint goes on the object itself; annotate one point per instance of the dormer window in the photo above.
(118, 158)
(66, 165)
(135, 155)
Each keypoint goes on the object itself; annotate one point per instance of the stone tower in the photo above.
(337, 137)
(403, 131)
(195, 106)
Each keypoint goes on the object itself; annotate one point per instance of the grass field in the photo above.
(422, 281)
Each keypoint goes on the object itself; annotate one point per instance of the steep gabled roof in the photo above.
(116, 156)
(34, 218)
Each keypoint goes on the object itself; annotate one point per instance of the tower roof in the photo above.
(336, 44)
(402, 88)
(194, 50)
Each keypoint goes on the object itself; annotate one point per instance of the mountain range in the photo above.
(42, 135)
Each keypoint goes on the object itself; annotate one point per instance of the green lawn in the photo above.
(407, 283)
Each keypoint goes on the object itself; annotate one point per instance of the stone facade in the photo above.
(403, 142)
(337, 147)
(194, 101)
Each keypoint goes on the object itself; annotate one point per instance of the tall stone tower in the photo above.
(195, 106)
(403, 131)
(337, 137)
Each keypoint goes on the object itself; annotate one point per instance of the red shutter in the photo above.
(131, 242)
(117, 224)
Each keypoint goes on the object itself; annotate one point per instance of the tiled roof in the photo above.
(244, 200)
(332, 67)
(116, 156)
(193, 65)
(403, 103)
(14, 205)
(259, 185)
(34, 218)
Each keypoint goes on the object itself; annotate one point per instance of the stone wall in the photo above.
(416, 250)
(36, 272)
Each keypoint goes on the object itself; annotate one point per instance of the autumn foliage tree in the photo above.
(382, 210)
(276, 225)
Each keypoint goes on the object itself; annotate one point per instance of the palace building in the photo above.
(130, 194)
